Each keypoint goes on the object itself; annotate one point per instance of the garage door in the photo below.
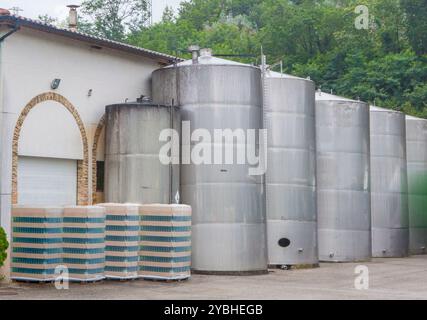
(46, 181)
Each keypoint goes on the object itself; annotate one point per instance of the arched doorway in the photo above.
(82, 165)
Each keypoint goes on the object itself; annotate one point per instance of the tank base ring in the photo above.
(230, 273)
(294, 266)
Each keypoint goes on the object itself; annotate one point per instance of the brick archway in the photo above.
(98, 131)
(82, 165)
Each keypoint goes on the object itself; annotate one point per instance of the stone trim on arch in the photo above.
(98, 131)
(83, 166)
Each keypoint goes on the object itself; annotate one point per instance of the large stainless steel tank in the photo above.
(389, 188)
(133, 170)
(343, 186)
(228, 234)
(290, 178)
(416, 137)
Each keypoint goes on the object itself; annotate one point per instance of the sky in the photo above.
(58, 9)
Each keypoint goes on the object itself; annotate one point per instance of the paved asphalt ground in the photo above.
(389, 279)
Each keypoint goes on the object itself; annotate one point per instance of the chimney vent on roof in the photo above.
(4, 12)
(195, 53)
(72, 18)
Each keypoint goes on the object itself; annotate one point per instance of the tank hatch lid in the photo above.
(273, 74)
(380, 109)
(323, 96)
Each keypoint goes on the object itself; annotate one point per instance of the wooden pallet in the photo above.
(165, 280)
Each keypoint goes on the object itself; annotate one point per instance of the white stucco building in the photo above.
(52, 138)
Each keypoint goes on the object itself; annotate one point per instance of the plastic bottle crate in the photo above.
(165, 242)
(36, 248)
(122, 241)
(84, 243)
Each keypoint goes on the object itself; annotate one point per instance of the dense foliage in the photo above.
(3, 246)
(385, 62)
(113, 19)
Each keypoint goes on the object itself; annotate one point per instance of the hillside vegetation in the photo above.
(378, 56)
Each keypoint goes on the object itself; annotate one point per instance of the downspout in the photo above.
(14, 29)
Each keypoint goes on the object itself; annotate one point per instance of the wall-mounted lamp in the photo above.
(89, 93)
(55, 84)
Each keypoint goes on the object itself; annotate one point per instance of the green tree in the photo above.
(3, 246)
(385, 63)
(416, 22)
(114, 19)
(200, 13)
(168, 14)
(234, 37)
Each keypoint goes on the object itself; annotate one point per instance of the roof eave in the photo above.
(11, 21)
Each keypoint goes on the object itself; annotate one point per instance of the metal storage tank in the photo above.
(416, 137)
(343, 186)
(291, 175)
(228, 204)
(133, 170)
(389, 188)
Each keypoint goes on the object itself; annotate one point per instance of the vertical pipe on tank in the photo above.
(171, 125)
